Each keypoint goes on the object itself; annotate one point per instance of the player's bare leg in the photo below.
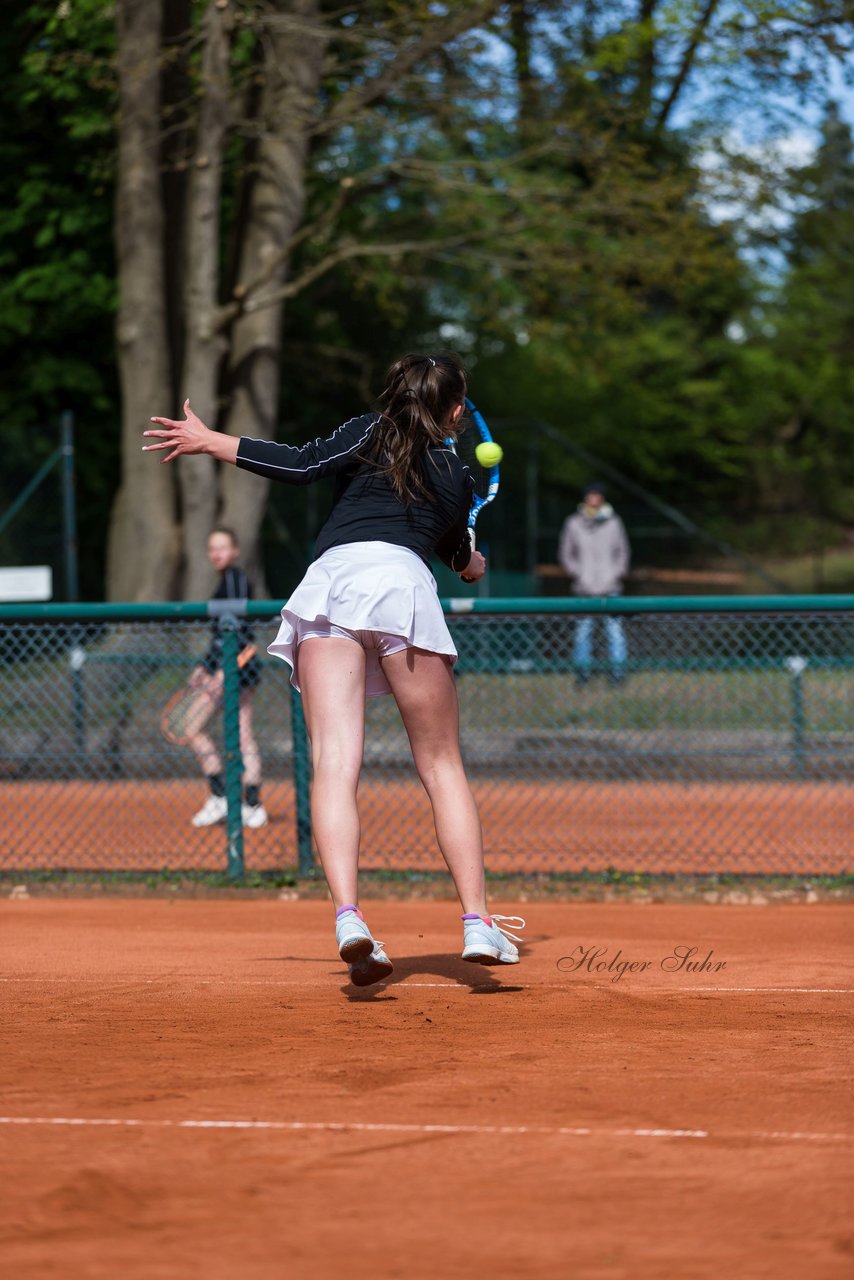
(332, 680)
(424, 689)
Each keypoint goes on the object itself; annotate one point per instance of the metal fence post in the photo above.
(76, 662)
(233, 757)
(69, 505)
(796, 667)
(302, 770)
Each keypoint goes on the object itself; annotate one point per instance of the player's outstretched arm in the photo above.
(191, 436)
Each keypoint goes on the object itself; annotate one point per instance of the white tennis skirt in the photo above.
(373, 587)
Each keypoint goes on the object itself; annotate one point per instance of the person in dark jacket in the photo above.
(594, 551)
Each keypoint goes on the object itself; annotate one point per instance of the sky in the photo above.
(784, 141)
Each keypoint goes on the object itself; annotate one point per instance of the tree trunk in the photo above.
(292, 65)
(142, 542)
(204, 346)
(520, 35)
(646, 59)
(176, 145)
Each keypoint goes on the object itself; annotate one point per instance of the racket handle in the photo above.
(247, 652)
(463, 577)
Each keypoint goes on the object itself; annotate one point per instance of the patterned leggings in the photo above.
(205, 747)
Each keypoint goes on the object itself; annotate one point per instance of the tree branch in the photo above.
(245, 306)
(439, 33)
(686, 64)
(433, 174)
(430, 248)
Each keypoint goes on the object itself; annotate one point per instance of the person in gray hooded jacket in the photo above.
(594, 551)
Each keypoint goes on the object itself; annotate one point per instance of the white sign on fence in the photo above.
(33, 583)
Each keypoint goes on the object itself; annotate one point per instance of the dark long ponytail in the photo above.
(415, 408)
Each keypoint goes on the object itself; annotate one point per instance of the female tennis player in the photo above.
(366, 620)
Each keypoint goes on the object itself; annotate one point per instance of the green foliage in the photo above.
(806, 345)
(604, 306)
(57, 285)
(527, 199)
(614, 306)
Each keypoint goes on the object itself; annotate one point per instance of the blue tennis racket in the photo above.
(486, 479)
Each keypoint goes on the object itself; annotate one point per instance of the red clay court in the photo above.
(192, 1089)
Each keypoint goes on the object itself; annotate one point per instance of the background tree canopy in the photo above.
(260, 204)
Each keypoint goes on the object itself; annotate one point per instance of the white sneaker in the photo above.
(367, 961)
(213, 810)
(372, 969)
(254, 815)
(486, 940)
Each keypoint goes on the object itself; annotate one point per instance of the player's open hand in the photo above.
(188, 436)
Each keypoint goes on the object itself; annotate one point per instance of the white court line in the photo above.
(331, 1126)
(451, 985)
(807, 991)
(596, 986)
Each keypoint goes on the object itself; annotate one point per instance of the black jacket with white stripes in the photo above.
(233, 585)
(365, 507)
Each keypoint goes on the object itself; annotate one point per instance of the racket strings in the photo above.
(467, 441)
(188, 714)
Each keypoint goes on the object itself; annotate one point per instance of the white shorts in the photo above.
(377, 594)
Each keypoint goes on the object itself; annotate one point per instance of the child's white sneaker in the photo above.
(214, 810)
(254, 815)
(486, 939)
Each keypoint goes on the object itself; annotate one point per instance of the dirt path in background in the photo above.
(657, 828)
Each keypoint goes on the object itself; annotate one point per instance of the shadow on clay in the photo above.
(479, 979)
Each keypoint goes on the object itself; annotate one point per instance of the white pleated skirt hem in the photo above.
(366, 586)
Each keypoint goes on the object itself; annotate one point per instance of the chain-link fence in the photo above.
(646, 735)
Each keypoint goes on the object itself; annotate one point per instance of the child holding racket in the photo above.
(223, 553)
(366, 620)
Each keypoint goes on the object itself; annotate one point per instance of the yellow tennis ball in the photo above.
(489, 454)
